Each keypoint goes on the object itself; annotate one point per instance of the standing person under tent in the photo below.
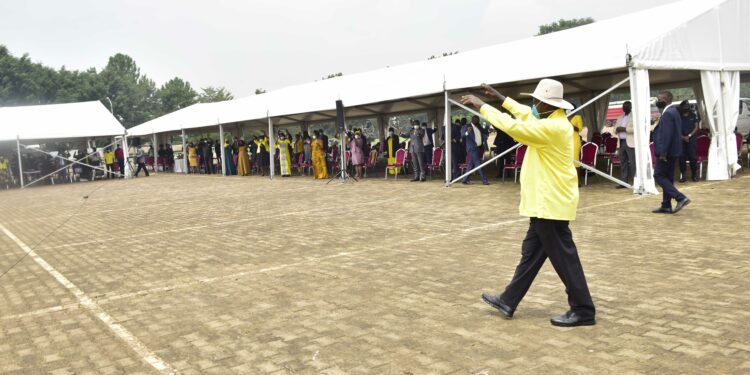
(140, 158)
(120, 157)
(668, 148)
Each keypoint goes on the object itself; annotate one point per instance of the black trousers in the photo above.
(141, 166)
(417, 161)
(688, 154)
(664, 176)
(550, 239)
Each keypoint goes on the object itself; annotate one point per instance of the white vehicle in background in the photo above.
(743, 121)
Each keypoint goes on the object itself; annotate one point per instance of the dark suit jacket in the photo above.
(471, 144)
(668, 134)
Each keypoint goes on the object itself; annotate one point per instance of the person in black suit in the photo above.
(474, 138)
(427, 141)
(457, 148)
(668, 148)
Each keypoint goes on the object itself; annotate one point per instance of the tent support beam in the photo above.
(154, 146)
(20, 163)
(448, 136)
(185, 164)
(68, 160)
(271, 147)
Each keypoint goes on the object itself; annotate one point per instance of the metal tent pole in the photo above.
(271, 147)
(126, 154)
(154, 146)
(448, 137)
(184, 162)
(20, 164)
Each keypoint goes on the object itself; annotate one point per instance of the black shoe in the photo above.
(619, 187)
(466, 182)
(572, 319)
(681, 204)
(498, 303)
(662, 210)
(414, 179)
(683, 179)
(485, 183)
(423, 179)
(695, 179)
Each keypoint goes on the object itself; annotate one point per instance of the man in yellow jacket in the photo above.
(549, 197)
(109, 161)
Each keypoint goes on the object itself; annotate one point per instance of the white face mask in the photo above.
(356, 136)
(315, 137)
(390, 133)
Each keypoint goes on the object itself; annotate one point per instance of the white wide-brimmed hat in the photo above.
(551, 92)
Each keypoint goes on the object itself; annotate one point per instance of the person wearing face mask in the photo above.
(624, 130)
(356, 147)
(668, 148)
(549, 196)
(306, 151)
(391, 146)
(416, 147)
(690, 124)
(285, 159)
(474, 140)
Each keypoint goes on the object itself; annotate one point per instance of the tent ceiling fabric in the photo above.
(664, 37)
(58, 121)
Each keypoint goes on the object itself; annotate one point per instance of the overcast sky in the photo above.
(243, 45)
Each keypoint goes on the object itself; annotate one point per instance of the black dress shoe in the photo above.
(662, 210)
(618, 186)
(423, 179)
(695, 178)
(572, 319)
(486, 183)
(414, 179)
(466, 182)
(683, 179)
(498, 303)
(681, 204)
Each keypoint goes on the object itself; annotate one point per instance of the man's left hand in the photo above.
(472, 100)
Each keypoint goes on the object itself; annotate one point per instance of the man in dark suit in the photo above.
(457, 148)
(503, 142)
(474, 139)
(416, 147)
(668, 148)
(427, 141)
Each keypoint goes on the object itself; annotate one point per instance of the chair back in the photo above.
(610, 145)
(400, 156)
(588, 153)
(739, 142)
(702, 144)
(596, 139)
(437, 155)
(520, 154)
(653, 154)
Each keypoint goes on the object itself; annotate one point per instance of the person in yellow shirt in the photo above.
(577, 122)
(549, 197)
(109, 161)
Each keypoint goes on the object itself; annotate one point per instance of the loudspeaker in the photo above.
(340, 116)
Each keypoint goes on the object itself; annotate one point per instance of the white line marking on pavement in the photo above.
(85, 301)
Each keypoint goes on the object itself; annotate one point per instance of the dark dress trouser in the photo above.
(664, 176)
(550, 239)
(417, 161)
(688, 155)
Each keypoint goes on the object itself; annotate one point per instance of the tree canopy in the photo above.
(563, 24)
(135, 97)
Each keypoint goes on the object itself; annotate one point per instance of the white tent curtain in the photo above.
(721, 93)
(700, 103)
(640, 95)
(602, 106)
(589, 117)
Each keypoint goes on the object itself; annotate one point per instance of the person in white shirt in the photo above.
(624, 130)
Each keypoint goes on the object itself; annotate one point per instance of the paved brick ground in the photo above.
(246, 275)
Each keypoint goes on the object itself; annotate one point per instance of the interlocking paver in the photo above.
(247, 275)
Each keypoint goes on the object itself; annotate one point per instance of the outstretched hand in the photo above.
(472, 100)
(491, 92)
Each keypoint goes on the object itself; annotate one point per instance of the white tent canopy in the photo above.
(673, 42)
(58, 121)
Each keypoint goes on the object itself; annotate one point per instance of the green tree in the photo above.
(212, 94)
(563, 24)
(133, 95)
(176, 94)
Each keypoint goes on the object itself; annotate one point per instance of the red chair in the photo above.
(437, 159)
(301, 164)
(596, 139)
(702, 143)
(589, 152)
(738, 136)
(462, 166)
(517, 163)
(614, 161)
(610, 149)
(371, 161)
(150, 162)
(653, 155)
(399, 163)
